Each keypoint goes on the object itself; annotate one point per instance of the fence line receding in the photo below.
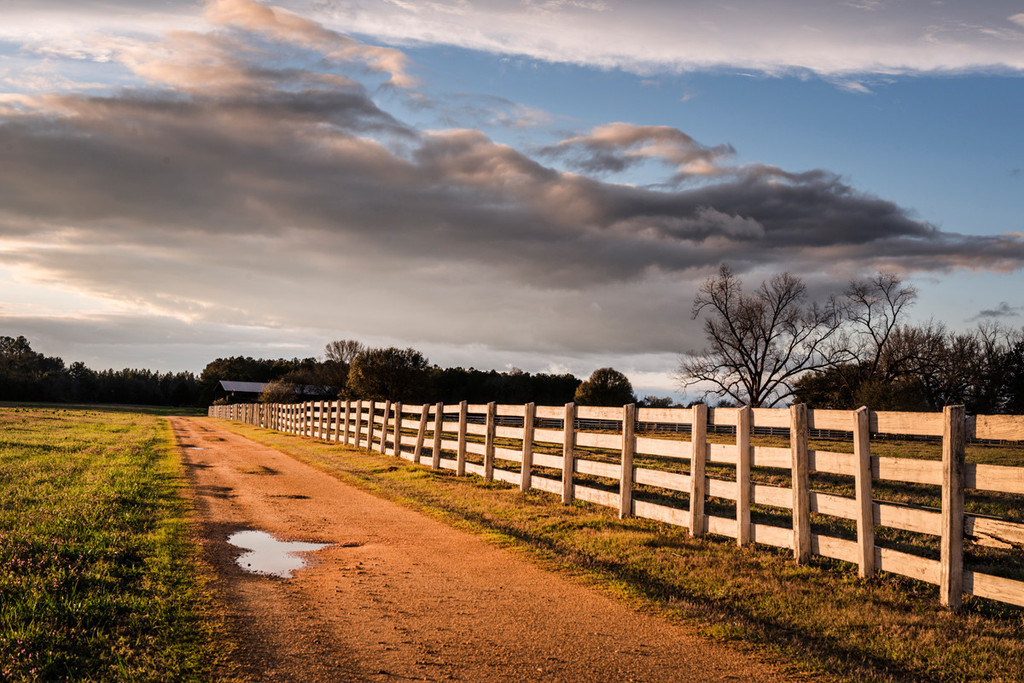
(810, 501)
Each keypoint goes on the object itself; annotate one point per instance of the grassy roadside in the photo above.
(97, 573)
(820, 619)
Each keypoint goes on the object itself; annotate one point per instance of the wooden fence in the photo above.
(633, 466)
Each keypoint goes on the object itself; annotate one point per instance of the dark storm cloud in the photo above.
(1003, 310)
(142, 165)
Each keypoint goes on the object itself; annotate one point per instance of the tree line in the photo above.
(774, 345)
(396, 374)
(348, 369)
(27, 375)
(765, 347)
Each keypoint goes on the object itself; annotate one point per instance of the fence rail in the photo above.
(618, 457)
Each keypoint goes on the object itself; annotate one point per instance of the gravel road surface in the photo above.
(400, 596)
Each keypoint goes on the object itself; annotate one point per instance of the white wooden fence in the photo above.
(545, 444)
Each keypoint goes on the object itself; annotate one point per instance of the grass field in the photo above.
(820, 618)
(97, 574)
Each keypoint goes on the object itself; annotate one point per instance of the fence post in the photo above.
(420, 434)
(743, 461)
(954, 446)
(489, 441)
(398, 429)
(568, 452)
(626, 462)
(371, 416)
(801, 481)
(698, 485)
(460, 454)
(862, 482)
(335, 421)
(359, 421)
(435, 453)
(384, 428)
(348, 415)
(526, 471)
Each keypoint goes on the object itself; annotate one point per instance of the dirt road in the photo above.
(399, 596)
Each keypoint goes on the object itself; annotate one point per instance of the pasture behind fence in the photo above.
(633, 459)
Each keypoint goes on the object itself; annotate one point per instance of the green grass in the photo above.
(98, 580)
(111, 408)
(818, 619)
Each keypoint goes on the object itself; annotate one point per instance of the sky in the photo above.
(541, 184)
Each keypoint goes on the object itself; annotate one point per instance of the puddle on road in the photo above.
(269, 556)
(196, 448)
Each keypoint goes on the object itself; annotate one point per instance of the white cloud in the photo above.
(853, 37)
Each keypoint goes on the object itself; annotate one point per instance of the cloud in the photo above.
(1003, 310)
(286, 26)
(485, 110)
(255, 182)
(834, 39)
(615, 147)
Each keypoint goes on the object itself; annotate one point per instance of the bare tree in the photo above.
(875, 307)
(343, 350)
(759, 343)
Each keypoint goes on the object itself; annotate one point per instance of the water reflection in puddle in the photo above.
(269, 556)
(195, 448)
